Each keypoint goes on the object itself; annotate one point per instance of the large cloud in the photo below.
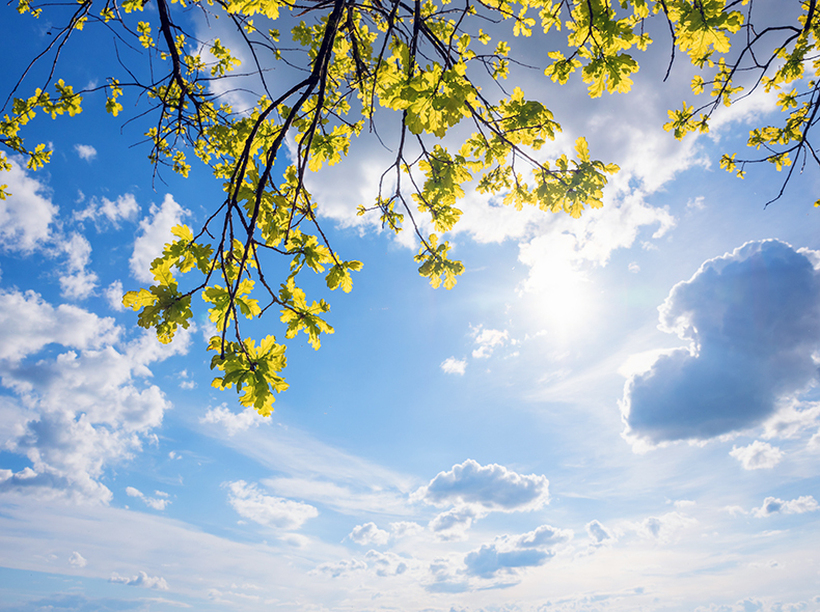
(77, 412)
(26, 215)
(753, 320)
(491, 487)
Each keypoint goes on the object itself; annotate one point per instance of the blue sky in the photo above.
(618, 412)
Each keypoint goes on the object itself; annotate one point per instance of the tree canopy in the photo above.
(347, 67)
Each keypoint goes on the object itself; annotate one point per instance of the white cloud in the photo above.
(79, 283)
(141, 580)
(386, 564)
(509, 554)
(341, 568)
(75, 413)
(28, 323)
(454, 523)
(157, 503)
(753, 321)
(369, 533)
(451, 365)
(231, 421)
(113, 295)
(663, 528)
(154, 233)
(487, 340)
(125, 207)
(634, 267)
(401, 529)
(789, 421)
(86, 152)
(276, 512)
(757, 455)
(77, 560)
(26, 215)
(492, 487)
(598, 533)
(773, 505)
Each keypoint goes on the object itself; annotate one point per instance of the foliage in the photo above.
(358, 63)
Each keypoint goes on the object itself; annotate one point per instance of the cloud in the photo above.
(74, 413)
(757, 455)
(598, 533)
(77, 560)
(451, 365)
(369, 533)
(231, 421)
(26, 215)
(28, 323)
(341, 568)
(492, 487)
(276, 512)
(509, 553)
(487, 341)
(386, 564)
(79, 283)
(454, 523)
(154, 233)
(141, 580)
(157, 503)
(753, 321)
(113, 295)
(86, 152)
(663, 528)
(125, 207)
(773, 505)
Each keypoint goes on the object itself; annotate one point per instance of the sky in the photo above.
(618, 412)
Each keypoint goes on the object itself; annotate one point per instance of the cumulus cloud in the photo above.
(77, 560)
(125, 207)
(598, 533)
(73, 414)
(753, 320)
(386, 564)
(487, 340)
(86, 152)
(757, 455)
(250, 503)
(341, 568)
(492, 487)
(28, 323)
(141, 580)
(454, 523)
(113, 295)
(78, 283)
(369, 533)
(231, 421)
(451, 365)
(160, 502)
(154, 233)
(508, 553)
(663, 528)
(773, 505)
(26, 215)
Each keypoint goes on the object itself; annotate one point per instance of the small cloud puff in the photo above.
(598, 533)
(77, 560)
(125, 207)
(451, 365)
(757, 456)
(491, 487)
(453, 524)
(773, 505)
(509, 553)
(157, 503)
(752, 318)
(663, 528)
(267, 510)
(86, 152)
(487, 340)
(232, 422)
(141, 580)
(369, 533)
